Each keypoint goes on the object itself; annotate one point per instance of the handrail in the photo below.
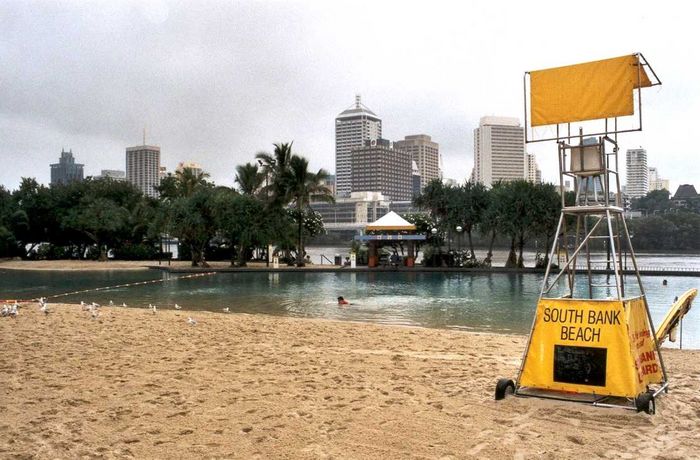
(323, 256)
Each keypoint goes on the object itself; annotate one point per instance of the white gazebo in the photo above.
(389, 229)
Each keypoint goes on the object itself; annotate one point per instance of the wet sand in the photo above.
(137, 385)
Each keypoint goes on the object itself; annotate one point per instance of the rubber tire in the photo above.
(504, 387)
(645, 403)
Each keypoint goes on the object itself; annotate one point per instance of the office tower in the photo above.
(499, 150)
(415, 179)
(114, 174)
(425, 153)
(329, 183)
(534, 174)
(196, 168)
(353, 127)
(637, 173)
(656, 182)
(66, 170)
(378, 167)
(143, 168)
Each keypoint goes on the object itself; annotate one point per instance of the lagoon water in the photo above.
(495, 302)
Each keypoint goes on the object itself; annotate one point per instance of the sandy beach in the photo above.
(137, 385)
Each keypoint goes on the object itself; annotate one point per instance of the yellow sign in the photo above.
(602, 347)
(588, 91)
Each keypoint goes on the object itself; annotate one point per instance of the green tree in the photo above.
(249, 179)
(34, 219)
(466, 205)
(192, 219)
(654, 202)
(301, 187)
(275, 167)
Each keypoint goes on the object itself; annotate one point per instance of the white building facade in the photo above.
(499, 151)
(143, 168)
(353, 127)
(637, 173)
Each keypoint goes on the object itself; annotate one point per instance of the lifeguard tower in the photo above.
(592, 339)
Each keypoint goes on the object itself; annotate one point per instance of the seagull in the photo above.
(191, 321)
(13, 310)
(154, 309)
(177, 307)
(44, 308)
(226, 310)
(5, 310)
(85, 306)
(123, 304)
(95, 314)
(111, 304)
(95, 305)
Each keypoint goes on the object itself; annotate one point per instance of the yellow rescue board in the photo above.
(678, 310)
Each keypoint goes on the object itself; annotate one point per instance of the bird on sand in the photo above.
(95, 305)
(85, 306)
(123, 304)
(177, 307)
(111, 304)
(226, 310)
(5, 310)
(44, 308)
(153, 309)
(95, 313)
(191, 321)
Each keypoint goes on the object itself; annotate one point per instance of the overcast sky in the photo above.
(216, 82)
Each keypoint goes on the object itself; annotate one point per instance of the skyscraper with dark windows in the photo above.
(66, 170)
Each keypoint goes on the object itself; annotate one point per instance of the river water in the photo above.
(496, 302)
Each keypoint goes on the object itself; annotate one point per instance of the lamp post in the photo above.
(267, 193)
(459, 237)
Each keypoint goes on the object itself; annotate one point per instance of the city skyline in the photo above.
(217, 84)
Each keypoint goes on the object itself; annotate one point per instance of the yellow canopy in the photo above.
(588, 91)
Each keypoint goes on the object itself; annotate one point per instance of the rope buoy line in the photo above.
(106, 288)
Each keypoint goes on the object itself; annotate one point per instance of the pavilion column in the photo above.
(411, 254)
(372, 254)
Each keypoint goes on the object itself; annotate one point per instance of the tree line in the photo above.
(97, 217)
(270, 205)
(519, 211)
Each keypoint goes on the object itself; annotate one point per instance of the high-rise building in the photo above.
(113, 174)
(637, 173)
(353, 127)
(499, 150)
(534, 174)
(143, 168)
(656, 182)
(66, 170)
(196, 168)
(425, 153)
(379, 167)
(415, 179)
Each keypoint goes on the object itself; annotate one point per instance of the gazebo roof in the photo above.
(391, 221)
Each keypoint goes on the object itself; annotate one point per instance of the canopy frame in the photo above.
(610, 127)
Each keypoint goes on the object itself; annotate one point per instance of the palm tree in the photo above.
(249, 178)
(275, 166)
(188, 179)
(301, 187)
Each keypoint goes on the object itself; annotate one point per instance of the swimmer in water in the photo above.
(342, 301)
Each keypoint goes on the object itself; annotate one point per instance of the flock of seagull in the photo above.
(94, 308)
